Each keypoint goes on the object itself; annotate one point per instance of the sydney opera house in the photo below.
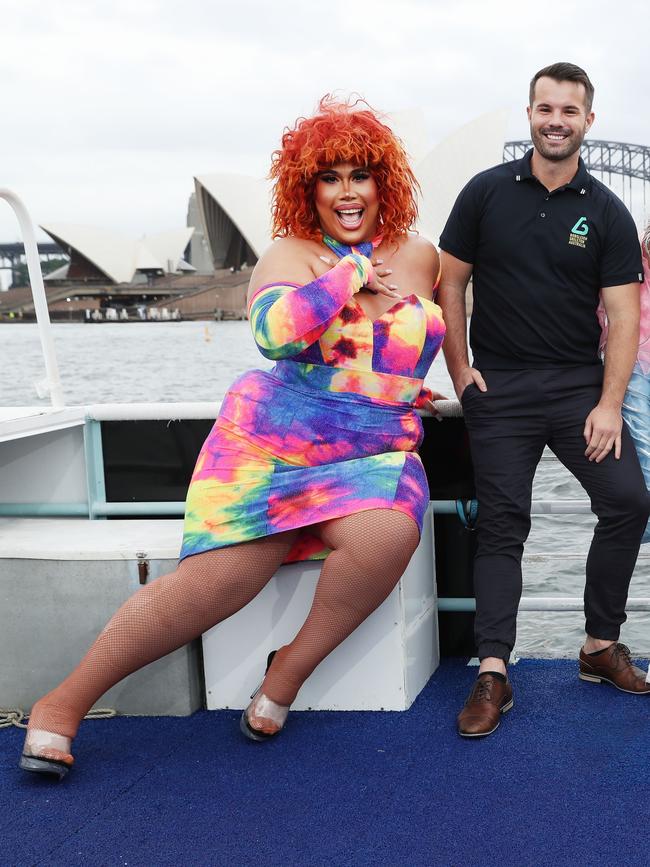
(202, 271)
(234, 209)
(98, 255)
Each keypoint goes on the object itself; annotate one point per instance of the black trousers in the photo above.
(509, 425)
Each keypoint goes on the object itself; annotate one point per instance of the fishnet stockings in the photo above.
(370, 551)
(159, 618)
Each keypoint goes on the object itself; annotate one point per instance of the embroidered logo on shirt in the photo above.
(578, 234)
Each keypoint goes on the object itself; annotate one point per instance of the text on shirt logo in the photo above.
(578, 234)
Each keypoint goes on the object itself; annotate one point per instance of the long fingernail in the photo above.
(393, 286)
(324, 259)
(379, 261)
(388, 271)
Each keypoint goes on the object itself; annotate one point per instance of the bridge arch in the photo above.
(628, 163)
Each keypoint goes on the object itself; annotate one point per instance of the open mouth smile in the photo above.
(555, 136)
(350, 217)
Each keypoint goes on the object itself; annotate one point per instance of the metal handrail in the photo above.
(537, 603)
(132, 508)
(99, 508)
(53, 378)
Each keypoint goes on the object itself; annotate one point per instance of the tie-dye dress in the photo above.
(331, 430)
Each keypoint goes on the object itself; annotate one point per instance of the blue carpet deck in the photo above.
(564, 781)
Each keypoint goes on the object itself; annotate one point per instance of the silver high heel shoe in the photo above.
(267, 709)
(39, 753)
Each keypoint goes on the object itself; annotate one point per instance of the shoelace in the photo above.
(622, 650)
(483, 689)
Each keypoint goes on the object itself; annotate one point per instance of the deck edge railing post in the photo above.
(38, 295)
(95, 478)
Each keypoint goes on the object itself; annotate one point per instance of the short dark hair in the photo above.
(564, 72)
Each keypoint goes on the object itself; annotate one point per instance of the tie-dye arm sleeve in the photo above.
(286, 319)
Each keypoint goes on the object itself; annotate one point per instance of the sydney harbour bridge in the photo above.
(623, 167)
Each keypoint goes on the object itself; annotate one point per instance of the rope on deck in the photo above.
(15, 716)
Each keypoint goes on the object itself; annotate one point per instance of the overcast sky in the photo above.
(110, 108)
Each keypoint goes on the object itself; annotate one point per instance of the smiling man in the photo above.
(543, 239)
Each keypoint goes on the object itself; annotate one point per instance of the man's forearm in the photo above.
(454, 311)
(622, 347)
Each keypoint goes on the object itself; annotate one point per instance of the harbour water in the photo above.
(196, 361)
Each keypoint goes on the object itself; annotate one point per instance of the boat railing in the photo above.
(52, 377)
(97, 507)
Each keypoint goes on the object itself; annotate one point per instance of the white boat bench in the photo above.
(61, 579)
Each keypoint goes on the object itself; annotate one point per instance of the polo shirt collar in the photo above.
(523, 171)
(581, 181)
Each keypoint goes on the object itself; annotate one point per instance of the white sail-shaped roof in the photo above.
(169, 247)
(410, 126)
(119, 257)
(144, 259)
(445, 170)
(111, 253)
(234, 207)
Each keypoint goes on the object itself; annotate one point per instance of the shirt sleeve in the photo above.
(286, 319)
(461, 232)
(621, 259)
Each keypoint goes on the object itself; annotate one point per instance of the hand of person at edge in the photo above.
(602, 431)
(376, 286)
(467, 376)
(430, 406)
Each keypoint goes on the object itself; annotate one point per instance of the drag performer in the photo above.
(316, 458)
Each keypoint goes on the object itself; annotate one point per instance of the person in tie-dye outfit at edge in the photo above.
(636, 404)
(316, 458)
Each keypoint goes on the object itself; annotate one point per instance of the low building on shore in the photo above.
(221, 295)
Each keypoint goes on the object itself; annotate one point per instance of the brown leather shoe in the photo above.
(613, 666)
(489, 698)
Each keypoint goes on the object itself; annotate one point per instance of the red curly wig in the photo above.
(340, 132)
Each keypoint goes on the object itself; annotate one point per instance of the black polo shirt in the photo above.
(540, 260)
